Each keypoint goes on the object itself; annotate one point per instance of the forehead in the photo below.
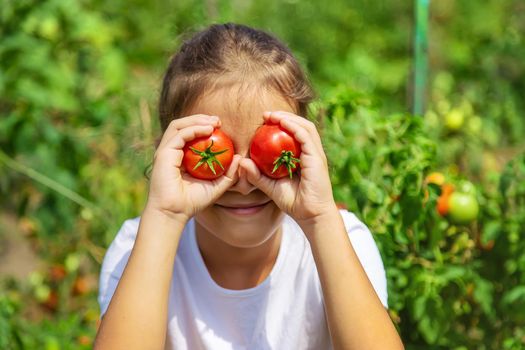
(240, 109)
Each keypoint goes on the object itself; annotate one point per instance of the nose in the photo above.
(243, 186)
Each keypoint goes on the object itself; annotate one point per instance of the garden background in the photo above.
(78, 87)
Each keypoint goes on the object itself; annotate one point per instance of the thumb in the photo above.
(229, 178)
(255, 177)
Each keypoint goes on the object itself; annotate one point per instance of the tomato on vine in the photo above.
(208, 158)
(464, 207)
(458, 203)
(443, 203)
(275, 151)
(435, 178)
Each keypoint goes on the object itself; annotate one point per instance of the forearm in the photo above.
(356, 317)
(137, 315)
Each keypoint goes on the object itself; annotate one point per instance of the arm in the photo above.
(356, 317)
(354, 312)
(137, 314)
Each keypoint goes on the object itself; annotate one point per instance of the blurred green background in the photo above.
(78, 87)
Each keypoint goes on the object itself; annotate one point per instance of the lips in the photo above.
(244, 208)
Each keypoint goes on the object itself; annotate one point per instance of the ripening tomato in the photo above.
(443, 203)
(81, 286)
(208, 157)
(275, 151)
(435, 178)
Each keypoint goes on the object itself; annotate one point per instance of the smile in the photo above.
(245, 210)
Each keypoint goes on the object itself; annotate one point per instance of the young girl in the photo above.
(243, 261)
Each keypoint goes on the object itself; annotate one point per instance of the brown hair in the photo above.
(235, 52)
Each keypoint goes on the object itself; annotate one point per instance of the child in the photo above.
(243, 261)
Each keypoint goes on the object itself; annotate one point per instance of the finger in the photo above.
(301, 135)
(188, 134)
(229, 178)
(278, 116)
(181, 123)
(254, 176)
(178, 141)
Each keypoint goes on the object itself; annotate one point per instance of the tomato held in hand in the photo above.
(275, 151)
(209, 157)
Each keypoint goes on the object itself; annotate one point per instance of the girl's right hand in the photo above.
(173, 191)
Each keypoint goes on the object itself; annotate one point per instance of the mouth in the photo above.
(244, 209)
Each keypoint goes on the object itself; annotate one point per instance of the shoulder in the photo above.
(366, 249)
(359, 234)
(122, 243)
(128, 230)
(115, 261)
(363, 244)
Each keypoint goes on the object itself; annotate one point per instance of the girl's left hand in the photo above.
(308, 194)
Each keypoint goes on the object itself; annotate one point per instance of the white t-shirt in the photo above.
(285, 311)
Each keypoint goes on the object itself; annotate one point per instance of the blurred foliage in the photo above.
(446, 282)
(78, 88)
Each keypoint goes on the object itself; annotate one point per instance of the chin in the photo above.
(241, 231)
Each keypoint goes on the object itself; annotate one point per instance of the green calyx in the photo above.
(208, 157)
(286, 159)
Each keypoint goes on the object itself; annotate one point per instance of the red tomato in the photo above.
(275, 151)
(209, 157)
(57, 273)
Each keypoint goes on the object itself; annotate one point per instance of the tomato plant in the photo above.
(208, 157)
(275, 151)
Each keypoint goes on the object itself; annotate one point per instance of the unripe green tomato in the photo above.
(466, 187)
(454, 119)
(72, 262)
(42, 292)
(463, 208)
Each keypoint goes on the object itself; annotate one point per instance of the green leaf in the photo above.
(491, 231)
(373, 192)
(514, 295)
(483, 292)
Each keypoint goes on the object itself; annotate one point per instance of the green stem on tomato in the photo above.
(288, 160)
(208, 157)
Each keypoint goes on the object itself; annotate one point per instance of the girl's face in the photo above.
(243, 216)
